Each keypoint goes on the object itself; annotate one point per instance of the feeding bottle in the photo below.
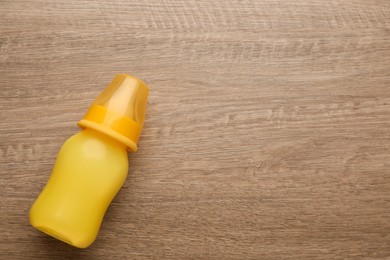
(92, 165)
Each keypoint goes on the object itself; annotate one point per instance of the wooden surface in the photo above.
(267, 134)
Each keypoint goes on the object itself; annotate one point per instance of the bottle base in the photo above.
(54, 234)
(60, 236)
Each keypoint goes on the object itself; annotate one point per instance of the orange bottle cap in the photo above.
(119, 111)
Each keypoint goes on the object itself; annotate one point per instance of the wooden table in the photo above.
(267, 134)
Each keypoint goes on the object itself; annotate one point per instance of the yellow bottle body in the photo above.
(89, 171)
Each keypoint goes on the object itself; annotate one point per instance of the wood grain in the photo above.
(267, 135)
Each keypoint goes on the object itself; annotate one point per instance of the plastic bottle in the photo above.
(92, 165)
